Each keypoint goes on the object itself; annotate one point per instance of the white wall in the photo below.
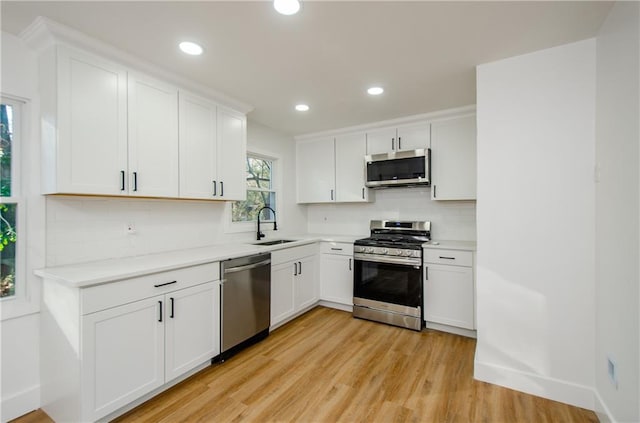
(535, 216)
(617, 220)
(450, 220)
(81, 229)
(20, 367)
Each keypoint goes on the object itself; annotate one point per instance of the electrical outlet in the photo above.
(612, 371)
(130, 229)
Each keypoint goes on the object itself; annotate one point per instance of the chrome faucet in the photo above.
(275, 225)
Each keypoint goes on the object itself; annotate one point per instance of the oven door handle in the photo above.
(404, 261)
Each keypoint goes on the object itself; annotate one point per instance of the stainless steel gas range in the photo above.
(387, 277)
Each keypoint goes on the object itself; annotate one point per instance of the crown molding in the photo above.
(407, 120)
(44, 33)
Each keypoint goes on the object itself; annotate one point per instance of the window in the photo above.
(9, 197)
(260, 191)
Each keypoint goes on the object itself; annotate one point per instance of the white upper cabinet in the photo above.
(108, 130)
(198, 147)
(453, 159)
(84, 128)
(153, 137)
(332, 169)
(232, 152)
(350, 168)
(315, 168)
(406, 137)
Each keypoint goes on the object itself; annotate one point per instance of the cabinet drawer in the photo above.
(452, 257)
(113, 294)
(342, 248)
(293, 253)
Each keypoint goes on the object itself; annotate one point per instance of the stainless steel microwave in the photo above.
(399, 169)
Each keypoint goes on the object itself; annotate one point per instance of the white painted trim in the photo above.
(533, 384)
(451, 329)
(431, 116)
(20, 404)
(601, 409)
(44, 32)
(337, 306)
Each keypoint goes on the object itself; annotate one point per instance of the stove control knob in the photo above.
(368, 250)
(384, 251)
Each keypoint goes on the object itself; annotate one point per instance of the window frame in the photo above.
(18, 136)
(276, 184)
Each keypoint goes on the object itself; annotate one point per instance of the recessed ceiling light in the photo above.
(302, 107)
(375, 90)
(286, 7)
(191, 48)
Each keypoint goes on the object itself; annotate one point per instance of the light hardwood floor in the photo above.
(329, 367)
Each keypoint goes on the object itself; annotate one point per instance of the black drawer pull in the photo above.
(447, 258)
(171, 315)
(336, 249)
(160, 319)
(164, 284)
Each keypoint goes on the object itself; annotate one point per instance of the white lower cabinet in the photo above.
(294, 282)
(449, 291)
(111, 344)
(336, 273)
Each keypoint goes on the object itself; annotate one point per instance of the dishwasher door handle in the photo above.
(247, 267)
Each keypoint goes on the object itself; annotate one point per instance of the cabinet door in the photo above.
(153, 138)
(198, 147)
(381, 141)
(453, 159)
(122, 355)
(336, 279)
(315, 169)
(192, 328)
(449, 295)
(232, 153)
(413, 137)
(282, 277)
(350, 168)
(92, 128)
(306, 283)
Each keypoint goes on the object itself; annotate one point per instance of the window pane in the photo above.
(259, 173)
(245, 211)
(6, 132)
(7, 249)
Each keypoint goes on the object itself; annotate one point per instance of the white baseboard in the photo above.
(541, 386)
(451, 329)
(337, 306)
(20, 404)
(601, 410)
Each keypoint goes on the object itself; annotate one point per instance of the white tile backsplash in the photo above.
(450, 220)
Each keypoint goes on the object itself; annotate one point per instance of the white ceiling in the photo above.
(423, 53)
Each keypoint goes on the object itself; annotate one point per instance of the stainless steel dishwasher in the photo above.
(245, 294)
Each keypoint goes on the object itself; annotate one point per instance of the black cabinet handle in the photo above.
(426, 273)
(221, 189)
(336, 249)
(363, 193)
(160, 318)
(295, 269)
(393, 143)
(300, 271)
(350, 264)
(447, 258)
(215, 188)
(171, 315)
(122, 187)
(135, 181)
(331, 195)
(164, 284)
(399, 143)
(434, 191)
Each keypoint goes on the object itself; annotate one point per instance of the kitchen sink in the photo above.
(274, 242)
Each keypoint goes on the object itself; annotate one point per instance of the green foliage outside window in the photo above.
(8, 236)
(260, 192)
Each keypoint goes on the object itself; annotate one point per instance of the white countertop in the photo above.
(450, 245)
(103, 271)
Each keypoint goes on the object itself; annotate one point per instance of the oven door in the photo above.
(388, 280)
